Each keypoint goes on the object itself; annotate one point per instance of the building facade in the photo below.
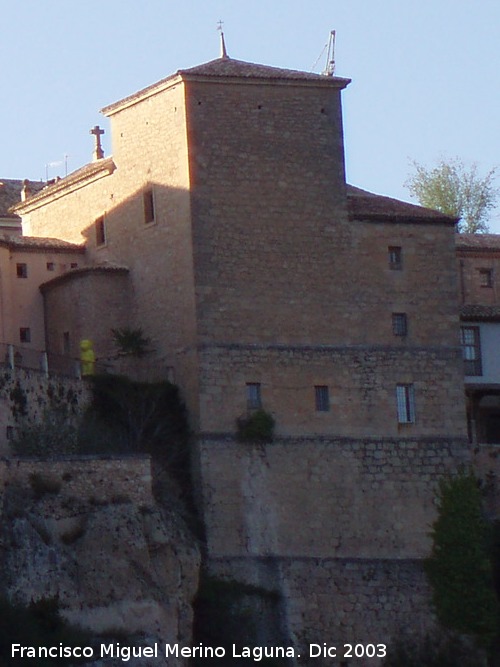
(223, 227)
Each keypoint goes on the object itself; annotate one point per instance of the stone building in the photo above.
(223, 227)
(478, 258)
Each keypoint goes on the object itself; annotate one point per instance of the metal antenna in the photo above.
(330, 58)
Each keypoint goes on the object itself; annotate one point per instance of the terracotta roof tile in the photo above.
(109, 268)
(39, 243)
(481, 242)
(74, 179)
(10, 194)
(364, 205)
(229, 68)
(480, 313)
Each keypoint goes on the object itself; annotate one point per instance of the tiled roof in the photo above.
(10, 194)
(228, 68)
(478, 242)
(363, 205)
(480, 313)
(33, 243)
(76, 179)
(82, 271)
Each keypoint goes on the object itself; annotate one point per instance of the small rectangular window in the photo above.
(51, 266)
(73, 265)
(399, 324)
(149, 205)
(395, 257)
(25, 335)
(486, 277)
(405, 397)
(9, 432)
(471, 350)
(100, 231)
(22, 270)
(254, 400)
(322, 398)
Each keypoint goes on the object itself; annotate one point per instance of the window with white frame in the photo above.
(471, 350)
(405, 398)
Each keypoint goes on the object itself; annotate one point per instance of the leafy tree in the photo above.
(456, 190)
(459, 568)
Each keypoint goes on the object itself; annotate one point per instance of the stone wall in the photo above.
(339, 527)
(86, 478)
(324, 497)
(340, 601)
(86, 304)
(27, 395)
(362, 388)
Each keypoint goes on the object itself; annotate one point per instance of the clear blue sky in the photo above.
(425, 75)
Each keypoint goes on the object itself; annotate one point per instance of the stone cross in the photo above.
(98, 152)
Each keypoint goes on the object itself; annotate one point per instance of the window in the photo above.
(405, 398)
(395, 257)
(399, 324)
(73, 265)
(100, 231)
(471, 349)
(22, 270)
(149, 205)
(254, 401)
(51, 266)
(322, 398)
(25, 335)
(486, 277)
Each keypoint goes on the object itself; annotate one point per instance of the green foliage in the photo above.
(38, 625)
(54, 435)
(19, 402)
(138, 417)
(131, 342)
(459, 568)
(228, 612)
(434, 651)
(457, 190)
(256, 427)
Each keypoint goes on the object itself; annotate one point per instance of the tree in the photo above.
(459, 568)
(456, 190)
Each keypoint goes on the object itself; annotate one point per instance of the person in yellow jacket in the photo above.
(87, 357)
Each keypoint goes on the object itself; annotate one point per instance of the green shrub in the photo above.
(256, 427)
(460, 569)
(39, 624)
(433, 651)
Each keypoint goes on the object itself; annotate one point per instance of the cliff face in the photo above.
(90, 533)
